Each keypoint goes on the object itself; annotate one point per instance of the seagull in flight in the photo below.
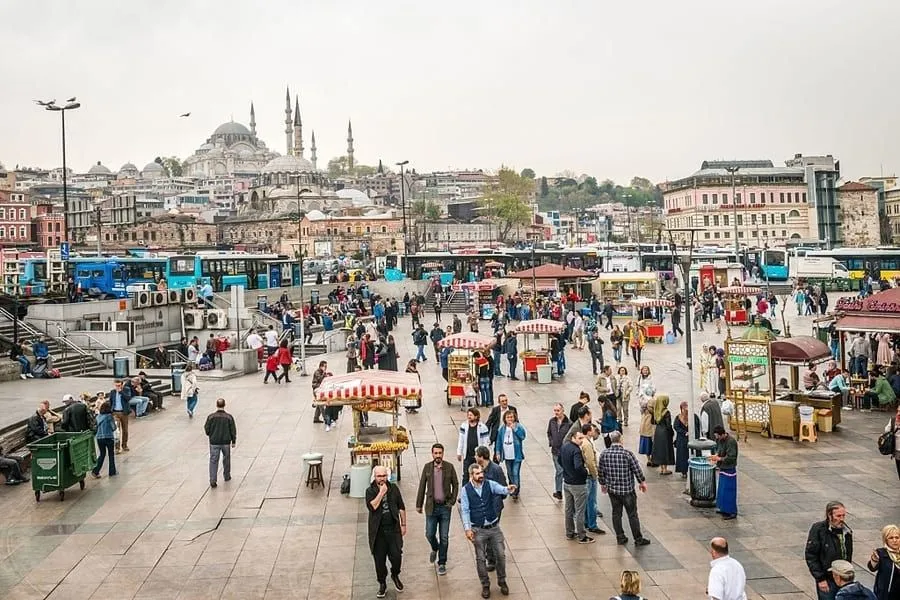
(187, 114)
(72, 99)
(42, 103)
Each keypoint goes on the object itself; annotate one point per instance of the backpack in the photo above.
(345, 484)
(886, 445)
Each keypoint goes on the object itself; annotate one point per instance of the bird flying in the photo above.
(42, 103)
(72, 99)
(187, 114)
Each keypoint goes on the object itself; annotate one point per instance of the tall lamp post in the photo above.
(71, 104)
(685, 262)
(300, 215)
(737, 248)
(402, 166)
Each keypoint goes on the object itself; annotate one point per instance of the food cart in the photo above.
(373, 392)
(656, 332)
(481, 295)
(536, 328)
(735, 311)
(620, 288)
(461, 374)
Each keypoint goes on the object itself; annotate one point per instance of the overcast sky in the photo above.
(612, 89)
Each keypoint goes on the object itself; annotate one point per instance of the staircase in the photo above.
(455, 304)
(69, 359)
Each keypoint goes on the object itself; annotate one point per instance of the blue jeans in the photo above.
(497, 363)
(561, 364)
(513, 363)
(140, 404)
(590, 508)
(486, 388)
(26, 364)
(558, 476)
(420, 353)
(860, 366)
(438, 524)
(513, 469)
(192, 402)
(835, 352)
(107, 447)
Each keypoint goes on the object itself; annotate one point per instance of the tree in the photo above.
(337, 167)
(171, 164)
(423, 212)
(506, 202)
(641, 183)
(545, 190)
(528, 173)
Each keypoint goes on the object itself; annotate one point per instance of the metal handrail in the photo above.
(64, 343)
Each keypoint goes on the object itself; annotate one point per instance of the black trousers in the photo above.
(897, 462)
(467, 462)
(11, 466)
(388, 545)
(629, 503)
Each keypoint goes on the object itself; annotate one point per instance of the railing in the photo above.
(64, 343)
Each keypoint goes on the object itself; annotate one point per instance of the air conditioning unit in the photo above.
(193, 319)
(159, 298)
(174, 296)
(216, 319)
(142, 299)
(189, 295)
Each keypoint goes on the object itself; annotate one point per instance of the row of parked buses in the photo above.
(117, 277)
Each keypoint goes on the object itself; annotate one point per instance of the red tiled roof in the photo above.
(855, 186)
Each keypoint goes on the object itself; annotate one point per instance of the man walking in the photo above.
(595, 347)
(497, 414)
(438, 489)
(222, 433)
(575, 486)
(844, 576)
(557, 429)
(436, 335)
(420, 338)
(387, 526)
(618, 470)
(726, 460)
(482, 525)
(511, 348)
(828, 541)
(119, 402)
(727, 580)
(492, 472)
(589, 454)
(472, 433)
(318, 377)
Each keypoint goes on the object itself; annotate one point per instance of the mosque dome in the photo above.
(231, 128)
(153, 170)
(288, 164)
(99, 169)
(128, 167)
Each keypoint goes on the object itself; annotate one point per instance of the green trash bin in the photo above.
(61, 460)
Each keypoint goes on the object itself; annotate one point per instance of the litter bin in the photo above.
(121, 366)
(360, 475)
(262, 302)
(61, 460)
(826, 421)
(702, 478)
(544, 373)
(701, 446)
(807, 413)
(177, 370)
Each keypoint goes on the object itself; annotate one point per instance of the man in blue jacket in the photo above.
(575, 476)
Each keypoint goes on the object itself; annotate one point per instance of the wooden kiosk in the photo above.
(655, 331)
(461, 373)
(540, 329)
(379, 392)
(735, 311)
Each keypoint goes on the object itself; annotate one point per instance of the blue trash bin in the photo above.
(177, 370)
(327, 323)
(121, 366)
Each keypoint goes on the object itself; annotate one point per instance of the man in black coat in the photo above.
(828, 541)
(495, 419)
(36, 425)
(387, 526)
(75, 416)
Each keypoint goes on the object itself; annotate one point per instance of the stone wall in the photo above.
(859, 217)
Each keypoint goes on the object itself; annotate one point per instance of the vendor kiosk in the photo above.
(378, 392)
(461, 374)
(655, 331)
(736, 312)
(540, 329)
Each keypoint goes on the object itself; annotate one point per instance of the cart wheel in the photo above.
(62, 495)
(81, 484)
(449, 400)
(37, 496)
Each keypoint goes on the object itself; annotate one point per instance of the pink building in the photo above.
(15, 220)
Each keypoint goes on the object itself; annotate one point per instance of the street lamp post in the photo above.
(70, 104)
(685, 262)
(737, 248)
(402, 166)
(300, 216)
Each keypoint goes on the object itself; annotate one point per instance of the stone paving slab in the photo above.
(159, 531)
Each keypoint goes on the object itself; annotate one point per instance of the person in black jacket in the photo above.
(222, 433)
(557, 428)
(387, 526)
(828, 541)
(575, 476)
(495, 418)
(75, 415)
(36, 425)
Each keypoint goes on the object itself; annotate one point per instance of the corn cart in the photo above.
(736, 312)
(536, 328)
(656, 332)
(461, 373)
(373, 392)
(61, 460)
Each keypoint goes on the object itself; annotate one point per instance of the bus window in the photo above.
(888, 264)
(181, 266)
(774, 258)
(855, 264)
(118, 274)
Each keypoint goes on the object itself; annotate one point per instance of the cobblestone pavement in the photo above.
(159, 531)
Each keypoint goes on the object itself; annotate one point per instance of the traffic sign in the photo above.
(64, 251)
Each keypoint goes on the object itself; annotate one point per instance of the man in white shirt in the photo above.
(727, 579)
(255, 342)
(271, 340)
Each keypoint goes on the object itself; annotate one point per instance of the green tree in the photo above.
(172, 165)
(337, 167)
(506, 202)
(528, 173)
(545, 190)
(641, 183)
(423, 212)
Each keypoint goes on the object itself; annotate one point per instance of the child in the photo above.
(272, 368)
(645, 445)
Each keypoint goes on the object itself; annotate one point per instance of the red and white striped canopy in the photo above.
(651, 302)
(739, 290)
(540, 326)
(467, 341)
(368, 385)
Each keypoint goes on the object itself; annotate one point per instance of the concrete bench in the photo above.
(12, 443)
(10, 370)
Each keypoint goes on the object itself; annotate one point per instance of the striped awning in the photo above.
(739, 290)
(540, 326)
(467, 341)
(368, 385)
(651, 302)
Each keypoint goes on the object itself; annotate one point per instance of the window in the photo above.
(782, 220)
(796, 196)
(21, 214)
(348, 230)
(783, 233)
(740, 234)
(737, 198)
(727, 234)
(765, 233)
(725, 220)
(2, 213)
(724, 198)
(717, 235)
(705, 200)
(754, 233)
(794, 213)
(153, 236)
(368, 229)
(763, 217)
(705, 234)
(2, 232)
(782, 197)
(57, 227)
(753, 219)
(740, 219)
(715, 198)
(716, 220)
(383, 229)
(804, 196)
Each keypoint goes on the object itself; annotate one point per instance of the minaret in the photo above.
(312, 150)
(287, 119)
(298, 129)
(349, 146)
(252, 120)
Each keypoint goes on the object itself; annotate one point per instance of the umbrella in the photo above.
(739, 290)
(467, 341)
(540, 326)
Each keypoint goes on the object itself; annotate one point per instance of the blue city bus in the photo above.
(116, 277)
(774, 265)
(33, 278)
(223, 270)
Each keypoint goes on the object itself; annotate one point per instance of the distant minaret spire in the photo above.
(252, 120)
(298, 129)
(349, 145)
(288, 130)
(312, 150)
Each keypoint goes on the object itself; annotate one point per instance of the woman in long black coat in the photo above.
(681, 441)
(664, 436)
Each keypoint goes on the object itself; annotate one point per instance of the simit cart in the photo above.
(461, 374)
(532, 359)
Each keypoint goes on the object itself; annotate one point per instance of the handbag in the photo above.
(886, 442)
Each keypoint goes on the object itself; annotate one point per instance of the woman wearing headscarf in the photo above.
(720, 370)
(645, 442)
(681, 440)
(712, 374)
(663, 436)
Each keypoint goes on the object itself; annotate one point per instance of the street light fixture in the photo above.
(71, 104)
(403, 207)
(300, 216)
(737, 249)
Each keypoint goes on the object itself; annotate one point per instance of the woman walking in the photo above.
(615, 340)
(508, 448)
(623, 395)
(106, 441)
(189, 389)
(645, 443)
(663, 436)
(644, 386)
(885, 563)
(285, 360)
(609, 422)
(637, 338)
(712, 373)
(681, 441)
